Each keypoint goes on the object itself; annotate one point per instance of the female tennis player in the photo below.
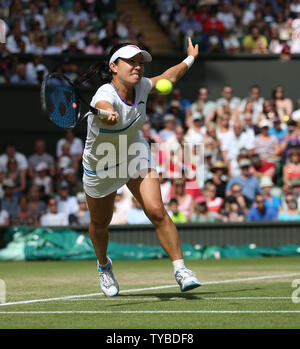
(111, 146)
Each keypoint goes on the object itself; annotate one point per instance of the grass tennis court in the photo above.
(237, 293)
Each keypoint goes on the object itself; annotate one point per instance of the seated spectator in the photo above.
(169, 127)
(40, 156)
(260, 212)
(93, 47)
(136, 215)
(291, 213)
(34, 67)
(228, 98)
(201, 213)
(21, 76)
(250, 128)
(77, 13)
(66, 203)
(83, 215)
(272, 201)
(73, 47)
(189, 25)
(283, 105)
(213, 202)
(194, 133)
(185, 103)
(219, 179)
(53, 217)
(236, 195)
(233, 144)
(76, 147)
(291, 141)
(256, 100)
(16, 175)
(266, 145)
(64, 161)
(250, 185)
(24, 216)
(292, 168)
(55, 16)
(254, 41)
(58, 44)
(294, 189)
(9, 201)
(203, 105)
(210, 140)
(15, 38)
(277, 130)
(261, 167)
(184, 200)
(176, 215)
(4, 216)
(35, 204)
(42, 178)
(10, 151)
(223, 126)
(226, 16)
(213, 22)
(75, 185)
(232, 212)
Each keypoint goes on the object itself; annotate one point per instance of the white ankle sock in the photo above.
(179, 263)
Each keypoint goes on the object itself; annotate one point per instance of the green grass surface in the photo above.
(161, 308)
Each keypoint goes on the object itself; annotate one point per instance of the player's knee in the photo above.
(99, 225)
(157, 214)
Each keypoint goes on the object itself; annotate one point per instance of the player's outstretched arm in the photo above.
(177, 71)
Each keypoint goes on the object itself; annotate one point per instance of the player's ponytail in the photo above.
(102, 69)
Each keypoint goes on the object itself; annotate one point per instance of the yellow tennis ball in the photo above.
(164, 86)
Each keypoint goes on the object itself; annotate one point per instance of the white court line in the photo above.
(177, 299)
(150, 289)
(154, 312)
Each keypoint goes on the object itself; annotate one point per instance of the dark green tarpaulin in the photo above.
(66, 244)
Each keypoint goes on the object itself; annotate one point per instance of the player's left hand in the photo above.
(192, 50)
(112, 119)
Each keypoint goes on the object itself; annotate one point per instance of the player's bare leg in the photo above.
(146, 190)
(101, 211)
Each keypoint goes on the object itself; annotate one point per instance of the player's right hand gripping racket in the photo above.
(61, 100)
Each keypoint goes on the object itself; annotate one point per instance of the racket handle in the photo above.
(100, 112)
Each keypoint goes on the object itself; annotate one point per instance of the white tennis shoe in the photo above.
(108, 283)
(186, 279)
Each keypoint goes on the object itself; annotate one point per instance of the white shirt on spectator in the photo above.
(75, 148)
(12, 46)
(21, 161)
(77, 17)
(227, 19)
(54, 219)
(68, 206)
(232, 144)
(3, 217)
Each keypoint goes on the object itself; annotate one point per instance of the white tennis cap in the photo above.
(129, 51)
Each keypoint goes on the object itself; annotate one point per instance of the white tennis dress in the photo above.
(114, 154)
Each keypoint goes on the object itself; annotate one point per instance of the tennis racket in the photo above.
(61, 101)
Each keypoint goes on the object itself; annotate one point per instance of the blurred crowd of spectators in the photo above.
(252, 26)
(250, 168)
(54, 27)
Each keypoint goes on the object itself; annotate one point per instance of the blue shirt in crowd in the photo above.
(269, 214)
(278, 134)
(284, 216)
(250, 186)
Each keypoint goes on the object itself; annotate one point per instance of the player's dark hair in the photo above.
(101, 69)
